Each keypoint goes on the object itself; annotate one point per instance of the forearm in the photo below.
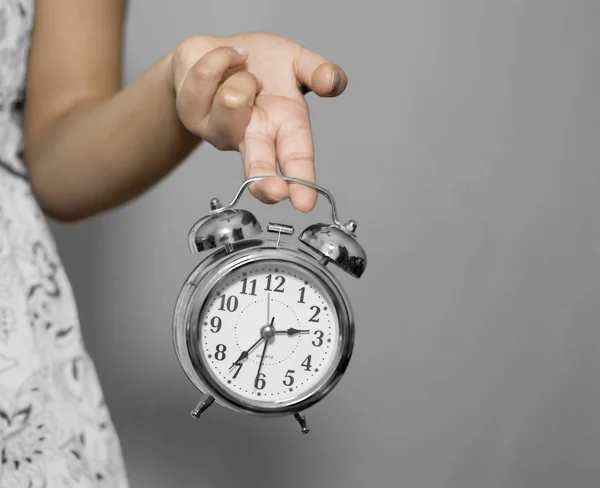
(103, 153)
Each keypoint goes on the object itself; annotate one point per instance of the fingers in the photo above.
(295, 149)
(195, 94)
(295, 152)
(259, 156)
(319, 75)
(231, 110)
(216, 101)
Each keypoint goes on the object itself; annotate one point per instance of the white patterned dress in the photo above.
(55, 430)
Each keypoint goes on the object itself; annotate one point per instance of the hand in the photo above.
(246, 93)
(292, 332)
(244, 354)
(262, 358)
(269, 309)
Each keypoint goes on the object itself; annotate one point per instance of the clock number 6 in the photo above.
(259, 382)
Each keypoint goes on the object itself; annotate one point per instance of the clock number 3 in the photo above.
(318, 342)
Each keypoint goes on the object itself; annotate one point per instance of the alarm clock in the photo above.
(262, 326)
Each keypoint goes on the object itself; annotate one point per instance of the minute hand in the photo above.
(262, 358)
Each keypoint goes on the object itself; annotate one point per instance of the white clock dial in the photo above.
(269, 332)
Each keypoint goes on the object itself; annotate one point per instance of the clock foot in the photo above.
(205, 402)
(301, 419)
(324, 261)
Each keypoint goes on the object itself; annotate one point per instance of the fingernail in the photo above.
(240, 50)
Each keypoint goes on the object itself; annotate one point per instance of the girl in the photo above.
(82, 144)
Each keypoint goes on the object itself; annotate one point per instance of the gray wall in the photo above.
(467, 149)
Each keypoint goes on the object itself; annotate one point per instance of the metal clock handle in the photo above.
(289, 179)
(224, 226)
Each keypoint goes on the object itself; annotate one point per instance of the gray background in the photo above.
(467, 149)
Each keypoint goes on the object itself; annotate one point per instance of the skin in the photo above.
(91, 144)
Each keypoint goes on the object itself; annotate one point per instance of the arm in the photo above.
(90, 145)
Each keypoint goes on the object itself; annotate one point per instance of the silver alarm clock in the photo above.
(262, 326)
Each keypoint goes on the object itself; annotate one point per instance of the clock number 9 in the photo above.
(216, 323)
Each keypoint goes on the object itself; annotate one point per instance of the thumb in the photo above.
(196, 91)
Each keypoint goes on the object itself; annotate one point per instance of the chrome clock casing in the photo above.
(207, 275)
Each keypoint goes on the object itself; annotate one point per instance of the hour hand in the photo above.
(244, 354)
(292, 331)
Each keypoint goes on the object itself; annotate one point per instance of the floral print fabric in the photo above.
(55, 429)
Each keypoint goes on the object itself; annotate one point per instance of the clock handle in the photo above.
(335, 243)
(326, 193)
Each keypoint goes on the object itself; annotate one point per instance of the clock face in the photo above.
(269, 333)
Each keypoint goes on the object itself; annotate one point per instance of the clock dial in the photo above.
(269, 332)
